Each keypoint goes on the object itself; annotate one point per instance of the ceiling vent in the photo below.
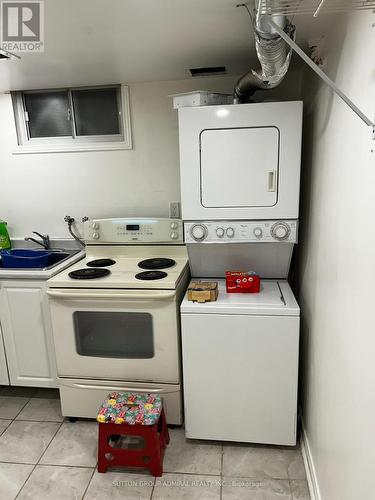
(209, 71)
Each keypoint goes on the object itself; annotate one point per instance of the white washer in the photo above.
(240, 365)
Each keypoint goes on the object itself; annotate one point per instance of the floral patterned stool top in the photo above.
(130, 408)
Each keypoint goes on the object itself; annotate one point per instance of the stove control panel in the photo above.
(134, 230)
(261, 231)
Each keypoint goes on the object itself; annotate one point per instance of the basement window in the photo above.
(72, 119)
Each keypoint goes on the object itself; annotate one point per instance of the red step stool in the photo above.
(132, 414)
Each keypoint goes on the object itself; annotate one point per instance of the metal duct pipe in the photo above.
(273, 53)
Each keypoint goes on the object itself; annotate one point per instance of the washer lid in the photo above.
(275, 298)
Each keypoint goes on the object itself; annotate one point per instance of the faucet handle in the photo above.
(38, 234)
(44, 237)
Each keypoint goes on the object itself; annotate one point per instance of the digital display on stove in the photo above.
(132, 227)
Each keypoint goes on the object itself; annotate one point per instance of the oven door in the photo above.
(116, 334)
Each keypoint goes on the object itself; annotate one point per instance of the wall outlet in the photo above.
(174, 209)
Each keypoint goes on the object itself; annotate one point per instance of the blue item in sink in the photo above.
(21, 258)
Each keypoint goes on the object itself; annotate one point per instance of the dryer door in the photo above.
(239, 167)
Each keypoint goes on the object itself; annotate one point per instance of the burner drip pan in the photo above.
(101, 263)
(89, 273)
(151, 275)
(156, 263)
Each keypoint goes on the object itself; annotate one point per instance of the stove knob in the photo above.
(280, 231)
(95, 225)
(230, 232)
(174, 225)
(174, 236)
(198, 232)
(96, 236)
(258, 233)
(220, 232)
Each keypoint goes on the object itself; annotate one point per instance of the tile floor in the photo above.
(45, 457)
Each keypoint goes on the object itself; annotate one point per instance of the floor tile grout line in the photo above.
(28, 477)
(39, 421)
(221, 472)
(153, 489)
(89, 482)
(50, 465)
(2, 432)
(53, 437)
(33, 469)
(192, 473)
(27, 402)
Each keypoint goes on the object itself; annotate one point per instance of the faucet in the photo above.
(45, 240)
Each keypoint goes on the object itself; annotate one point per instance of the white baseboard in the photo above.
(312, 479)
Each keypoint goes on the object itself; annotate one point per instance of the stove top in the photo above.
(126, 267)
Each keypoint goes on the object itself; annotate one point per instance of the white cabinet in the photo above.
(27, 333)
(4, 379)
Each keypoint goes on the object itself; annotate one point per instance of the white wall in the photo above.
(337, 267)
(38, 190)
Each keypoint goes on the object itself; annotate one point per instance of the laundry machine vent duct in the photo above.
(273, 53)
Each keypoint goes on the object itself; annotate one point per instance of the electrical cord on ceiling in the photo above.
(70, 221)
(248, 11)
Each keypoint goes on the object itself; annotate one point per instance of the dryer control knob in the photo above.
(174, 236)
(95, 225)
(198, 232)
(220, 232)
(96, 236)
(280, 231)
(230, 232)
(174, 225)
(258, 232)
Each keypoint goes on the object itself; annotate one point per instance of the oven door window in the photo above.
(126, 335)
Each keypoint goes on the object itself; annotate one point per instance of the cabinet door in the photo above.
(27, 334)
(4, 379)
(239, 167)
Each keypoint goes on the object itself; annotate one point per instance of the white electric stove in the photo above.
(115, 315)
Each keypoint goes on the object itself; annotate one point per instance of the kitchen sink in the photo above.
(55, 257)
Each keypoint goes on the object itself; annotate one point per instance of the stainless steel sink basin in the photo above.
(57, 256)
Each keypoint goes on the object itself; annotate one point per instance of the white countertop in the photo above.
(275, 298)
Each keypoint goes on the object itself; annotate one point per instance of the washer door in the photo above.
(239, 167)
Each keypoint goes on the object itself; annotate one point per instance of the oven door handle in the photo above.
(123, 295)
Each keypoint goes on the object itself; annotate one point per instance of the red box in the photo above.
(242, 282)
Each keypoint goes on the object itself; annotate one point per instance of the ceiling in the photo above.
(90, 42)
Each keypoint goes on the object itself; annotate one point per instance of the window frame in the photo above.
(27, 144)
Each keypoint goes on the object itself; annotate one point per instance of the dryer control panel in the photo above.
(260, 231)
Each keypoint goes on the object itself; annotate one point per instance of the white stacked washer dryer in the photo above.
(240, 177)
